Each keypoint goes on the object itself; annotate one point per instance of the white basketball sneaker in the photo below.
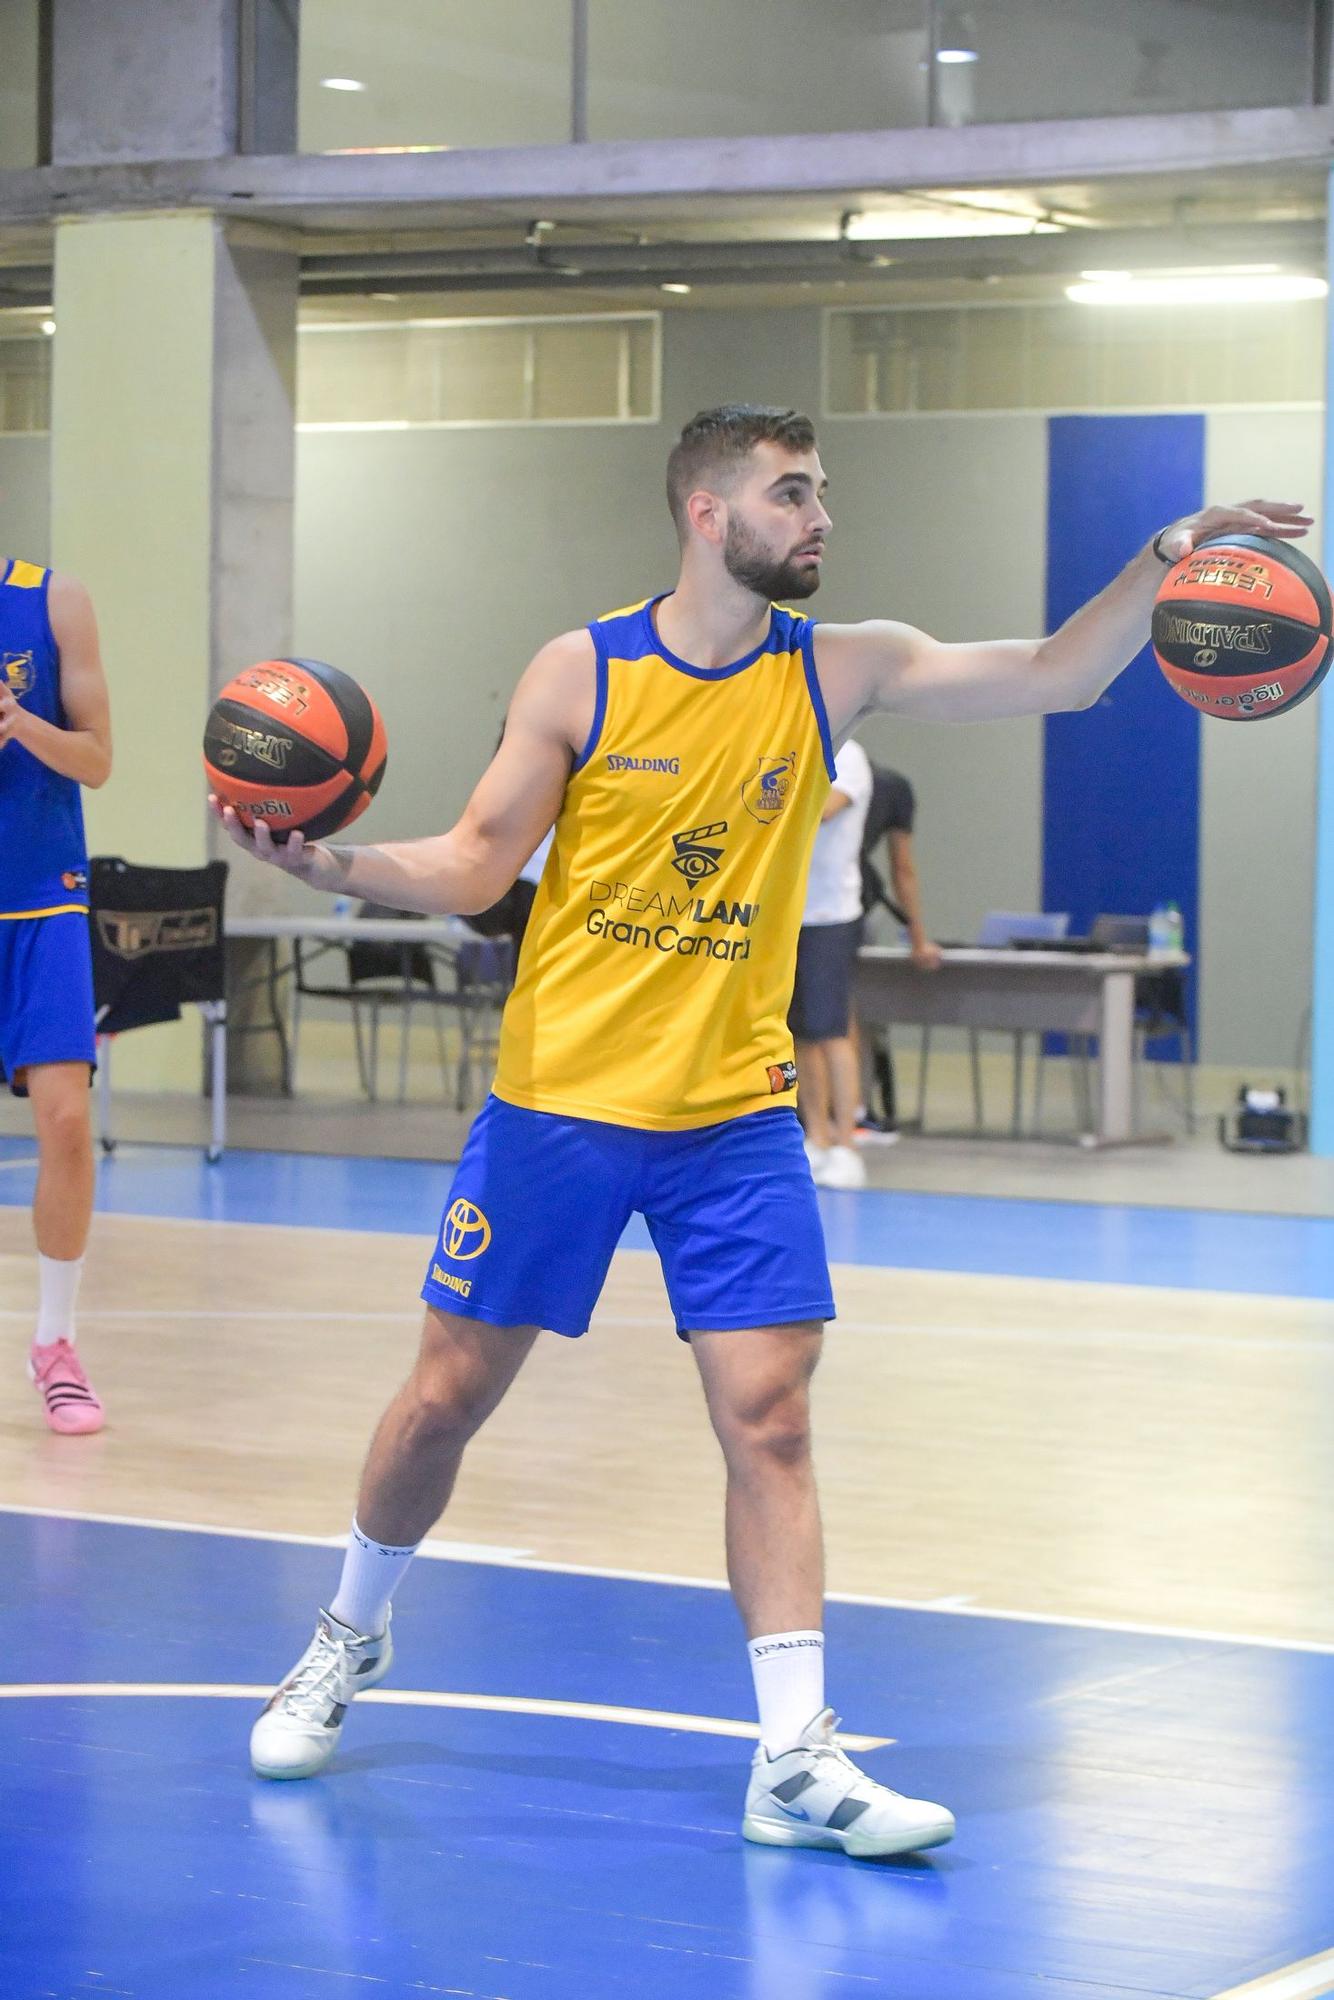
(298, 1731)
(814, 1796)
(841, 1167)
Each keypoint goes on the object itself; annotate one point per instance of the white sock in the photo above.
(370, 1574)
(789, 1685)
(58, 1288)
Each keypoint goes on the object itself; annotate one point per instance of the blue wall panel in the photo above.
(1121, 781)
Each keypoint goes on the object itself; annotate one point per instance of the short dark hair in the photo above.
(720, 440)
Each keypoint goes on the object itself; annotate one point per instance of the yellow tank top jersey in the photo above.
(656, 970)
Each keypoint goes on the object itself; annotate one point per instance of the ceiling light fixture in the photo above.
(48, 326)
(341, 83)
(958, 40)
(679, 289)
(1198, 288)
(925, 224)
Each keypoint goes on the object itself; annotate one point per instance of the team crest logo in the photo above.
(765, 794)
(16, 672)
(466, 1231)
(697, 857)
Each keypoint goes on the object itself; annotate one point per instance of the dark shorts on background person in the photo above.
(540, 1201)
(46, 994)
(821, 1009)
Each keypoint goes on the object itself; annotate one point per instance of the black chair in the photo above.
(400, 976)
(469, 979)
(484, 972)
(157, 939)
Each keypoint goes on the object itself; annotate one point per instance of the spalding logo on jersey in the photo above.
(765, 795)
(16, 669)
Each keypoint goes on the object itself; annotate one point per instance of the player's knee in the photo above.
(449, 1403)
(62, 1126)
(772, 1427)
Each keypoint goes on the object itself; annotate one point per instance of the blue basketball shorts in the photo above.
(539, 1203)
(46, 994)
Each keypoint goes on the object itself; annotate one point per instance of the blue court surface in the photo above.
(1189, 1249)
(1138, 1815)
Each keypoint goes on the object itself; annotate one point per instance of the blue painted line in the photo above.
(1137, 1815)
(1180, 1249)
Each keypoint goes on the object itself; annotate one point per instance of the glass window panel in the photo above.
(1086, 58)
(601, 370)
(644, 345)
(482, 374)
(434, 73)
(25, 384)
(1068, 357)
(355, 377)
(586, 369)
(695, 69)
(18, 83)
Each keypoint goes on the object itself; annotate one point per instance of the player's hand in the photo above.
(309, 863)
(1280, 520)
(11, 716)
(927, 956)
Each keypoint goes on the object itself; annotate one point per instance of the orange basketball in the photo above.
(297, 744)
(1241, 628)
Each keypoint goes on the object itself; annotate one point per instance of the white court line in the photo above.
(948, 1607)
(1309, 1980)
(12, 1166)
(491, 1704)
(1122, 1338)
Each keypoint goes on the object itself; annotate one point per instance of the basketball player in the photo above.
(55, 735)
(683, 750)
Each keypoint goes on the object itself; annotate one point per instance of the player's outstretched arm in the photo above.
(880, 665)
(515, 803)
(82, 748)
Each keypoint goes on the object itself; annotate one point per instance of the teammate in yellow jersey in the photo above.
(682, 749)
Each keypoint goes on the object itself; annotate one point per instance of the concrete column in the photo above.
(1322, 1008)
(181, 79)
(172, 475)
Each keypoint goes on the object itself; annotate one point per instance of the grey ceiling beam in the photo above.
(570, 264)
(337, 191)
(828, 256)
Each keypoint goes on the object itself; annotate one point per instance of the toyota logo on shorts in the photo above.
(466, 1232)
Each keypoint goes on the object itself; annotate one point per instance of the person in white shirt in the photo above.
(820, 1016)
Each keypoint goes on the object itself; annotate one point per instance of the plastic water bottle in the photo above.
(342, 906)
(1176, 929)
(1160, 929)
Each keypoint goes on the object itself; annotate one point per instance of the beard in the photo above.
(758, 569)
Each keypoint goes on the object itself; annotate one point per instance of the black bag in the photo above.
(157, 940)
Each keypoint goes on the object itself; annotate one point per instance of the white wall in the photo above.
(18, 82)
(25, 497)
(1258, 792)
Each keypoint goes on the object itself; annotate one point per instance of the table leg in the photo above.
(1116, 1038)
(1017, 1106)
(276, 1015)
